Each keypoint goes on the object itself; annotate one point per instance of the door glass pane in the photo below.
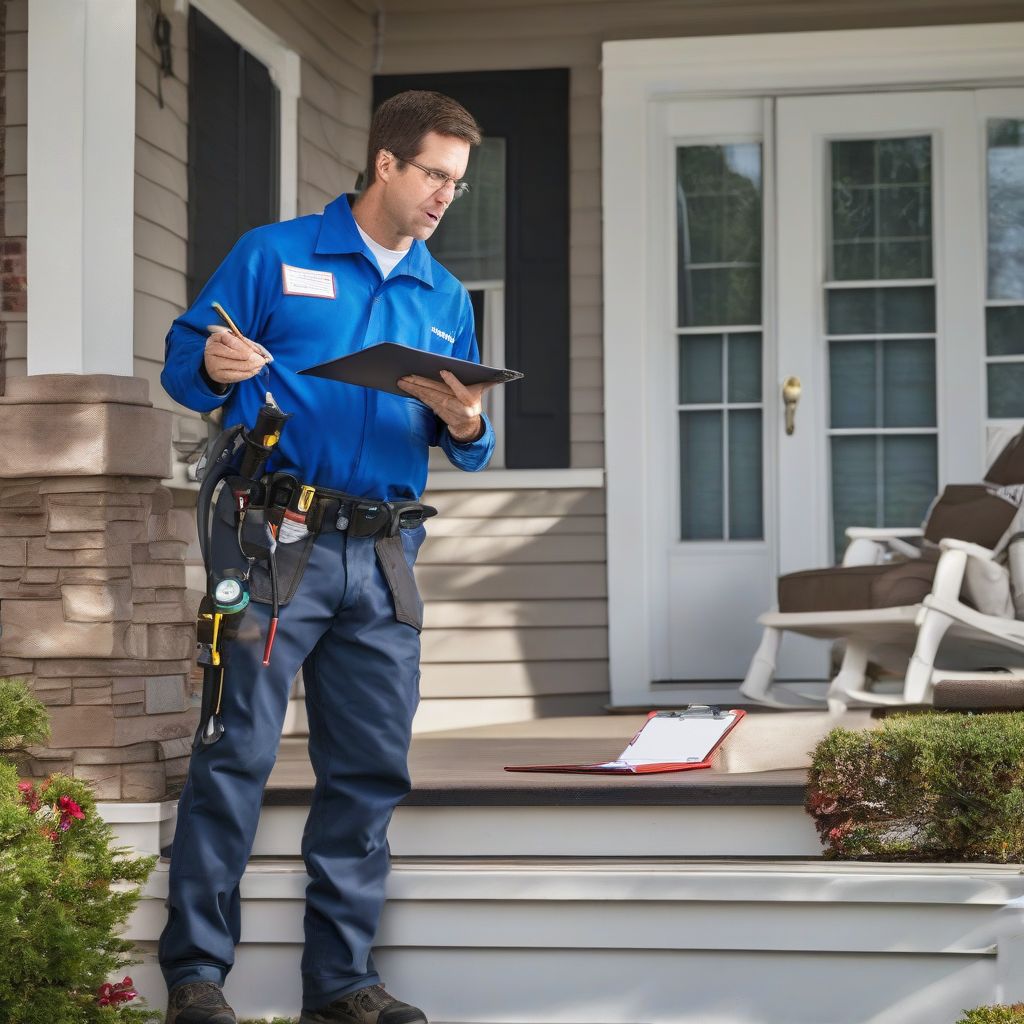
(700, 369)
(910, 478)
(744, 367)
(881, 209)
(1006, 208)
(745, 475)
(854, 486)
(718, 234)
(1006, 390)
(908, 383)
(884, 383)
(881, 480)
(700, 473)
(881, 310)
(470, 240)
(853, 378)
(1004, 330)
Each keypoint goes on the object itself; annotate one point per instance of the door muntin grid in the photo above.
(880, 332)
(719, 341)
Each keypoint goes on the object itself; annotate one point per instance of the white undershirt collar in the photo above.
(387, 259)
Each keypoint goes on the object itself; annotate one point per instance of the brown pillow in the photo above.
(969, 512)
(1008, 467)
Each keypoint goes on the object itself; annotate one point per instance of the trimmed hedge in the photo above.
(934, 786)
(994, 1015)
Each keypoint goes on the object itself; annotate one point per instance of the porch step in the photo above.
(464, 804)
(646, 941)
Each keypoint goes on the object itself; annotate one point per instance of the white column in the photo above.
(81, 167)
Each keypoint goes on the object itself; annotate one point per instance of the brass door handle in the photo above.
(791, 390)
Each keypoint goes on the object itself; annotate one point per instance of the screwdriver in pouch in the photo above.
(293, 523)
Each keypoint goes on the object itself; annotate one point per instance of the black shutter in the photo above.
(530, 110)
(233, 147)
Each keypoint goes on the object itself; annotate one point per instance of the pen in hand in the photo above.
(233, 328)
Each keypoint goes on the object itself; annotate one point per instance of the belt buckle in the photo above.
(368, 518)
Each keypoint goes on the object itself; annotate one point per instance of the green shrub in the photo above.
(64, 893)
(23, 719)
(994, 1015)
(934, 786)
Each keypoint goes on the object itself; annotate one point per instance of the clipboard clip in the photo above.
(694, 711)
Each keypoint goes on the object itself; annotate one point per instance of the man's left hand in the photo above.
(458, 404)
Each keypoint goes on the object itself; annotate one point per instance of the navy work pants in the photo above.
(361, 672)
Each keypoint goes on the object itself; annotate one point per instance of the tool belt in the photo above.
(240, 536)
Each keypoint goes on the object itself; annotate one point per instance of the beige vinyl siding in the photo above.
(334, 40)
(516, 616)
(15, 46)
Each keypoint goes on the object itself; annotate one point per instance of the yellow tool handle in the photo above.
(214, 650)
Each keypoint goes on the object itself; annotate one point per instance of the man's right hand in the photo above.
(229, 359)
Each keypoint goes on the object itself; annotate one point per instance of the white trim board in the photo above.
(81, 168)
(514, 479)
(806, 61)
(639, 76)
(285, 72)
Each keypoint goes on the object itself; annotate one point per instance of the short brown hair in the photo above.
(400, 124)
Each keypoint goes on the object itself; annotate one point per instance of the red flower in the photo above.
(29, 796)
(118, 992)
(68, 806)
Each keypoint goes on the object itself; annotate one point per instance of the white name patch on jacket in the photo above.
(317, 283)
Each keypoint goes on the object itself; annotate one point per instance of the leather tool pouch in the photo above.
(397, 569)
(225, 551)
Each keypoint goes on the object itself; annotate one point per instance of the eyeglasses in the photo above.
(438, 178)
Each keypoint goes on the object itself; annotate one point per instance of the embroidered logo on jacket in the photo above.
(442, 334)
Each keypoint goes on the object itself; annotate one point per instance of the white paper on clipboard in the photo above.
(676, 739)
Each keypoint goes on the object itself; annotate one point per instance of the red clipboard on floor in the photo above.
(669, 741)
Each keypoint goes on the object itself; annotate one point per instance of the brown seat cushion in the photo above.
(856, 587)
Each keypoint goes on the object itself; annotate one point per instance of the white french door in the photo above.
(838, 241)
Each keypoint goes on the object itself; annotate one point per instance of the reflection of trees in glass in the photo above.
(1006, 209)
(881, 209)
(470, 240)
(718, 211)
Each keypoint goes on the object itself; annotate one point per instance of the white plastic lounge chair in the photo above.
(923, 603)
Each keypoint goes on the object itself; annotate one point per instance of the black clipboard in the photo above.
(380, 366)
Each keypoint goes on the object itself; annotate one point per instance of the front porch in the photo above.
(695, 897)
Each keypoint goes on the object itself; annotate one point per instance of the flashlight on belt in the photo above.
(260, 441)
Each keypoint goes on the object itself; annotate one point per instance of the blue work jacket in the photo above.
(341, 436)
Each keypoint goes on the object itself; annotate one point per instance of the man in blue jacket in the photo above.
(300, 293)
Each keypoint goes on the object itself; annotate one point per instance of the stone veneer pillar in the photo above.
(92, 580)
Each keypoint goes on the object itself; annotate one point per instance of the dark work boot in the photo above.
(370, 1005)
(198, 1002)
